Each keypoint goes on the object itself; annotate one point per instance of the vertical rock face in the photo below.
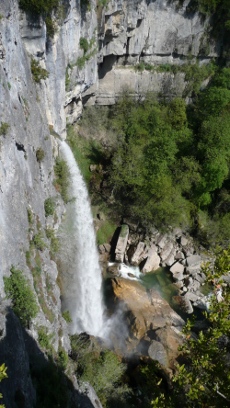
(27, 153)
(121, 243)
(66, 82)
(157, 32)
(154, 32)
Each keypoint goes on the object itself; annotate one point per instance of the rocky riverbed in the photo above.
(173, 250)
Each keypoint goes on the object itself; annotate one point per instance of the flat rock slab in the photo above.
(121, 243)
(157, 352)
(177, 268)
(153, 260)
(193, 260)
(139, 254)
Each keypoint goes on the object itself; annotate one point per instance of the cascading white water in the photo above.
(82, 280)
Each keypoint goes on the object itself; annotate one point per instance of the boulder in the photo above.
(113, 269)
(193, 271)
(162, 241)
(177, 268)
(183, 241)
(170, 260)
(191, 296)
(178, 276)
(157, 352)
(107, 248)
(153, 260)
(166, 251)
(194, 261)
(183, 303)
(121, 243)
(140, 254)
(170, 338)
(200, 277)
(179, 255)
(193, 285)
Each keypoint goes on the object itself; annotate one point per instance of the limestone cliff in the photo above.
(30, 110)
(156, 33)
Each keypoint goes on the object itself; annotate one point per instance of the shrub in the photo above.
(4, 128)
(38, 6)
(105, 232)
(66, 316)
(38, 73)
(102, 369)
(49, 206)
(23, 300)
(61, 182)
(62, 359)
(30, 216)
(3, 375)
(54, 243)
(38, 242)
(45, 340)
(40, 154)
(84, 45)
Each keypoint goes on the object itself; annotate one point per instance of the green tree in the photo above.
(3, 375)
(143, 165)
(23, 299)
(102, 369)
(204, 379)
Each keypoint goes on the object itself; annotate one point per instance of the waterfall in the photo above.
(81, 274)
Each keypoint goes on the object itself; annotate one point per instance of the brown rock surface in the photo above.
(148, 314)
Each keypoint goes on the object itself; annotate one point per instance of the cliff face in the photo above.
(148, 32)
(119, 36)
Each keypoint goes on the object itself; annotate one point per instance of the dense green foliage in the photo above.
(45, 9)
(204, 379)
(40, 154)
(195, 74)
(144, 164)
(170, 162)
(23, 300)
(4, 128)
(102, 369)
(38, 73)
(38, 6)
(3, 375)
(49, 206)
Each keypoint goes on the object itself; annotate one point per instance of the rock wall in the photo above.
(30, 112)
(152, 32)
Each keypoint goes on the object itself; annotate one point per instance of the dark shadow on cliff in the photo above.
(107, 64)
(34, 380)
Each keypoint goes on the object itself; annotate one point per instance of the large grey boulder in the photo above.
(157, 352)
(153, 260)
(166, 251)
(121, 243)
(140, 254)
(177, 268)
(194, 261)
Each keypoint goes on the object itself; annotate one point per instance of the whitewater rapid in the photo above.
(81, 274)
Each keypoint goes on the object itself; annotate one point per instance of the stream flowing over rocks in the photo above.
(175, 251)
